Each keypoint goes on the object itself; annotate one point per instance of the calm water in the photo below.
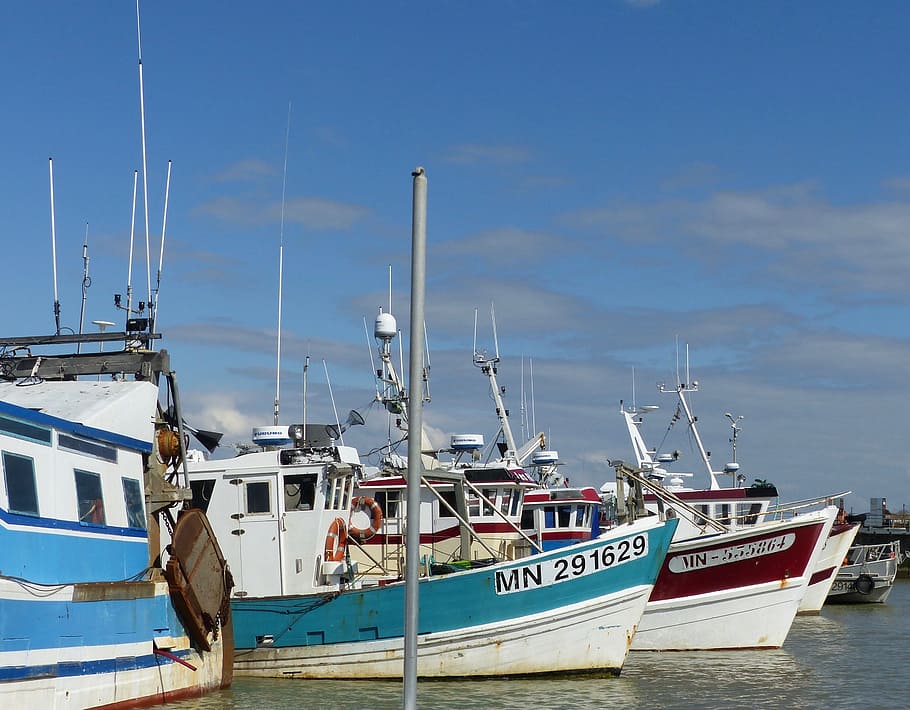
(848, 657)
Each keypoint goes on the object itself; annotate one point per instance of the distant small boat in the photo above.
(867, 575)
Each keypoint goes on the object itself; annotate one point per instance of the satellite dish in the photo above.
(354, 418)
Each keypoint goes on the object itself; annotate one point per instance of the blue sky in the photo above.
(616, 177)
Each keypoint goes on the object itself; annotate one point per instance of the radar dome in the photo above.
(385, 327)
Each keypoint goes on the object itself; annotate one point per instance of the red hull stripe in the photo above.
(741, 561)
(822, 575)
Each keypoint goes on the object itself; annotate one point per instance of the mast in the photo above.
(488, 365)
(284, 182)
(415, 423)
(681, 389)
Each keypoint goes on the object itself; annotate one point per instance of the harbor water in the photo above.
(850, 656)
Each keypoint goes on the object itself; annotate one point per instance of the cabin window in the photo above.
(258, 497)
(565, 516)
(89, 500)
(516, 501)
(338, 493)
(504, 501)
(580, 516)
(132, 496)
(702, 517)
(549, 516)
(489, 493)
(723, 512)
(24, 430)
(445, 511)
(527, 519)
(21, 492)
(749, 512)
(89, 448)
(389, 502)
(202, 493)
(300, 492)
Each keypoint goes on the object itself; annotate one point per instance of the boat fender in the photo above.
(864, 584)
(336, 541)
(373, 509)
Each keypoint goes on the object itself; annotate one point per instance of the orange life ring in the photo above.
(336, 540)
(365, 503)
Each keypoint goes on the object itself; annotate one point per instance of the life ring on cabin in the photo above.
(864, 584)
(373, 509)
(336, 541)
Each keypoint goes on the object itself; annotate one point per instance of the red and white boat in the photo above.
(740, 566)
(736, 589)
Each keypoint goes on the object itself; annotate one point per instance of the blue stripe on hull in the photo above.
(97, 667)
(39, 625)
(446, 603)
(45, 558)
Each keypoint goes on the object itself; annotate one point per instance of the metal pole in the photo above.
(415, 429)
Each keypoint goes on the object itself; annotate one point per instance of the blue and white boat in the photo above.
(301, 609)
(108, 596)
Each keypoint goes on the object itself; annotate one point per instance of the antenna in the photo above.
(129, 272)
(284, 182)
(153, 305)
(54, 247)
(495, 337)
(306, 367)
(86, 282)
(524, 413)
(145, 179)
(366, 332)
(688, 381)
(633, 388)
(475, 334)
(401, 360)
(677, 361)
(533, 431)
(734, 424)
(332, 397)
(426, 366)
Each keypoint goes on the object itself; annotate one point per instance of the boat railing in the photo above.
(635, 506)
(785, 511)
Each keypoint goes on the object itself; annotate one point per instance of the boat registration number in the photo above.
(687, 562)
(563, 569)
(842, 586)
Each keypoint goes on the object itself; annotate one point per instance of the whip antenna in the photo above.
(54, 247)
(86, 282)
(145, 179)
(153, 305)
(284, 182)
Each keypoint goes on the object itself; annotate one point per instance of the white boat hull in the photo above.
(737, 590)
(833, 553)
(594, 635)
(758, 617)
